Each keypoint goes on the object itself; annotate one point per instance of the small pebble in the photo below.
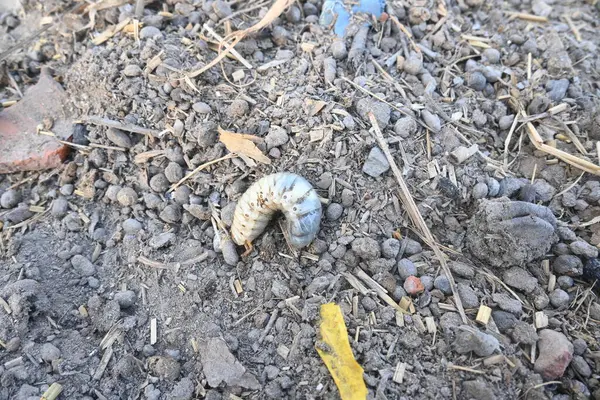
(132, 226)
(406, 268)
(338, 50)
(468, 296)
(132, 70)
(506, 122)
(201, 107)
(159, 183)
(230, 254)
(476, 81)
(127, 196)
(559, 298)
(126, 299)
(431, 120)
(150, 32)
(174, 172)
(366, 248)
(10, 199)
(376, 163)
(405, 127)
(584, 249)
(347, 197)
(491, 55)
(480, 191)
(579, 346)
(581, 366)
(477, 342)
(162, 240)
(119, 138)
(427, 282)
(334, 211)
(60, 206)
(82, 265)
(276, 137)
(171, 214)
(567, 264)
(390, 248)
(442, 283)
(49, 352)
(238, 108)
(565, 282)
(413, 64)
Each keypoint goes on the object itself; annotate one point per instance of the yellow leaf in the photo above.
(336, 353)
(242, 144)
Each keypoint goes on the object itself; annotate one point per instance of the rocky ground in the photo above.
(99, 252)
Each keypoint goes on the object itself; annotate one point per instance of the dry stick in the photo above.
(118, 125)
(200, 168)
(415, 215)
(234, 52)
(242, 11)
(401, 111)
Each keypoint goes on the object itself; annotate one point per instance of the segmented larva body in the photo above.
(286, 192)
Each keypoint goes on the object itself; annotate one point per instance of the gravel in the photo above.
(376, 163)
(82, 265)
(366, 248)
(568, 264)
(334, 211)
(406, 268)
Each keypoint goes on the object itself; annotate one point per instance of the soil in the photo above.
(96, 253)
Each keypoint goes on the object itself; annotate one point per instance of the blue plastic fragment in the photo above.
(337, 13)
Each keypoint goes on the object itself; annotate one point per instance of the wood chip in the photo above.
(153, 332)
(430, 324)
(238, 75)
(52, 392)
(540, 320)
(399, 319)
(238, 286)
(484, 314)
(399, 372)
(551, 282)
(103, 363)
(418, 321)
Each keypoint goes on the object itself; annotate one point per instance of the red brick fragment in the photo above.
(413, 285)
(21, 147)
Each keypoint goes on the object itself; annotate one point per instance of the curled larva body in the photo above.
(286, 192)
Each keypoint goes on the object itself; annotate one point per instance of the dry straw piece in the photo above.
(417, 219)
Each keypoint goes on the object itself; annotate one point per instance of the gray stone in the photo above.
(276, 137)
(476, 80)
(568, 264)
(480, 190)
(585, 249)
(390, 248)
(508, 303)
(413, 64)
(477, 390)
(471, 340)
(219, 365)
(150, 32)
(338, 50)
(366, 248)
(581, 366)
(131, 226)
(162, 240)
(49, 352)
(461, 269)
(230, 254)
(559, 298)
(174, 172)
(468, 296)
(506, 122)
(126, 298)
(127, 196)
(171, 214)
(334, 211)
(183, 390)
(376, 163)
(524, 333)
(10, 199)
(60, 206)
(442, 283)
(431, 120)
(406, 268)
(565, 282)
(405, 127)
(520, 279)
(579, 346)
(557, 89)
(381, 111)
(504, 320)
(318, 285)
(82, 265)
(132, 70)
(491, 55)
(201, 107)
(411, 247)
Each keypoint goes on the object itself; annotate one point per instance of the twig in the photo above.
(527, 17)
(573, 28)
(200, 168)
(118, 125)
(415, 215)
(234, 52)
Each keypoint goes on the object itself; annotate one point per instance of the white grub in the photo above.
(288, 193)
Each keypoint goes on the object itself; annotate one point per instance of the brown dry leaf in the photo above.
(243, 145)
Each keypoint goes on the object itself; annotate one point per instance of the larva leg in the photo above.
(248, 247)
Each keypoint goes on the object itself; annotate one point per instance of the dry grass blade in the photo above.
(243, 145)
(200, 168)
(147, 155)
(577, 162)
(415, 215)
(234, 38)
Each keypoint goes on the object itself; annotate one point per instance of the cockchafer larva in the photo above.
(286, 192)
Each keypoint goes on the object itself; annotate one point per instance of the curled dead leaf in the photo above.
(243, 145)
